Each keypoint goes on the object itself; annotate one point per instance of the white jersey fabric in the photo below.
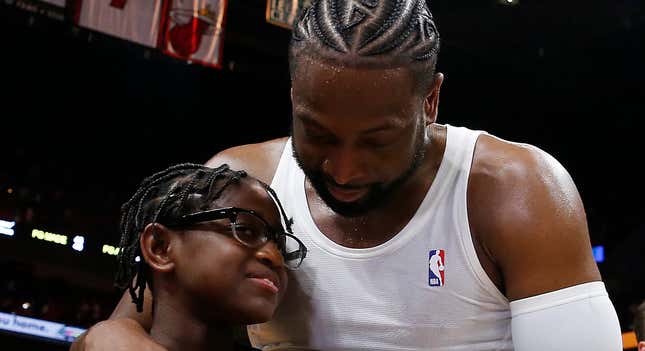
(589, 314)
(424, 289)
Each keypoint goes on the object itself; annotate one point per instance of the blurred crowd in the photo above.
(51, 298)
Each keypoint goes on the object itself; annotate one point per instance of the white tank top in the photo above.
(424, 289)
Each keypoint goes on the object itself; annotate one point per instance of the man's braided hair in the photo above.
(368, 33)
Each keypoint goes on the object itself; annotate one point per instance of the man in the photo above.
(377, 190)
(639, 326)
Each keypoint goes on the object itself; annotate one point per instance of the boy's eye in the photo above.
(244, 231)
(251, 233)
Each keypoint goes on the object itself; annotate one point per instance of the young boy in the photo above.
(210, 244)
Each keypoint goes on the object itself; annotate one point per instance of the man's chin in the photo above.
(346, 209)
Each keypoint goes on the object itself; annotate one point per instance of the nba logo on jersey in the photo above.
(436, 268)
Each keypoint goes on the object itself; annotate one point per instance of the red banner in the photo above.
(194, 31)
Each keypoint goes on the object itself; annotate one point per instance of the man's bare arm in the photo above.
(526, 211)
(528, 216)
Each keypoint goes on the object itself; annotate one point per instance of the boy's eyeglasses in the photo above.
(251, 230)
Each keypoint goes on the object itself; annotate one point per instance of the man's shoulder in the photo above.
(259, 160)
(500, 163)
(512, 176)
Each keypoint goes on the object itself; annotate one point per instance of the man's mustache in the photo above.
(330, 181)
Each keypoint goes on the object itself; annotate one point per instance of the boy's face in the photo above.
(220, 278)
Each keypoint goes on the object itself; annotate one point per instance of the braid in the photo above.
(183, 194)
(393, 15)
(233, 179)
(396, 36)
(163, 196)
(325, 28)
(381, 33)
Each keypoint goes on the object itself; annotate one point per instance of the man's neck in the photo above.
(174, 328)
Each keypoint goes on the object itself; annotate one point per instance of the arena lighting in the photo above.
(110, 250)
(39, 327)
(47, 236)
(6, 227)
(599, 253)
(509, 2)
(79, 242)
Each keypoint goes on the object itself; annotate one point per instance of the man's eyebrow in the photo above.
(308, 120)
(388, 126)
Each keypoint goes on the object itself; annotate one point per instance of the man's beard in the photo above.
(377, 193)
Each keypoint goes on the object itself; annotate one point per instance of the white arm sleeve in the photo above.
(577, 318)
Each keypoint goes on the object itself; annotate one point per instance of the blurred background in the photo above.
(87, 115)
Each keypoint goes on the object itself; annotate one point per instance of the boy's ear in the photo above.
(156, 244)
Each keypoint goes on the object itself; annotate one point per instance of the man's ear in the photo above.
(156, 244)
(431, 104)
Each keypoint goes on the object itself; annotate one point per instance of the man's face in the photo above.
(358, 133)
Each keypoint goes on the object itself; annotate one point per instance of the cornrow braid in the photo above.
(164, 196)
(370, 33)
